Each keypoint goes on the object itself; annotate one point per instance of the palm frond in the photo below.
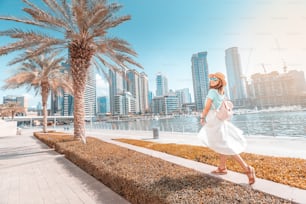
(44, 47)
(79, 11)
(39, 71)
(101, 71)
(19, 80)
(119, 45)
(27, 39)
(113, 22)
(25, 20)
(98, 14)
(59, 10)
(46, 19)
(107, 64)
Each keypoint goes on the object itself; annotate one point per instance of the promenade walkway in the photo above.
(31, 172)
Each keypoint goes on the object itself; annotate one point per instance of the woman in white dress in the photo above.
(222, 136)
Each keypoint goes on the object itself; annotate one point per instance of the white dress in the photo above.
(222, 136)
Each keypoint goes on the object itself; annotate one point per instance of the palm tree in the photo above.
(11, 109)
(83, 25)
(44, 74)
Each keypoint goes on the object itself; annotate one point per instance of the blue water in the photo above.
(268, 123)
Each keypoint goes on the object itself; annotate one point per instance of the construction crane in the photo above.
(279, 52)
(264, 68)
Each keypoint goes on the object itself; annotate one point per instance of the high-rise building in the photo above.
(56, 104)
(183, 96)
(102, 104)
(20, 100)
(124, 104)
(128, 92)
(90, 104)
(67, 105)
(235, 76)
(275, 89)
(62, 104)
(161, 85)
(116, 87)
(165, 105)
(200, 81)
(150, 98)
(133, 87)
(143, 93)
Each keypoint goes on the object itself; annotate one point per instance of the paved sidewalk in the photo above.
(283, 191)
(31, 172)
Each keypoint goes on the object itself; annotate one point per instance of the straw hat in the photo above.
(220, 76)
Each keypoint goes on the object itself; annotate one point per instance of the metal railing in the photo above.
(254, 127)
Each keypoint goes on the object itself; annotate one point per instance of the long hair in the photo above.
(218, 86)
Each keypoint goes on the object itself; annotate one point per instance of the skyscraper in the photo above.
(103, 105)
(183, 96)
(144, 92)
(20, 100)
(68, 103)
(235, 77)
(128, 92)
(90, 101)
(199, 69)
(115, 88)
(161, 84)
(133, 87)
(56, 104)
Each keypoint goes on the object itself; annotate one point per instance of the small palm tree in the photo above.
(44, 74)
(10, 109)
(83, 25)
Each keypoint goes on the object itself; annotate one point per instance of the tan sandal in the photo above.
(251, 175)
(220, 171)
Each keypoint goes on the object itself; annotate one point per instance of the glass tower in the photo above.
(161, 85)
(200, 81)
(236, 80)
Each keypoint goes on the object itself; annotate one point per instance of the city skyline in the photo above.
(166, 34)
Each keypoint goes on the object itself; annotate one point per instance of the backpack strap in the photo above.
(214, 107)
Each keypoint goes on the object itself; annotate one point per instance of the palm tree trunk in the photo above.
(44, 98)
(80, 57)
(79, 112)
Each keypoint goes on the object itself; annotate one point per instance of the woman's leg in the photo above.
(221, 170)
(241, 162)
(222, 164)
(249, 170)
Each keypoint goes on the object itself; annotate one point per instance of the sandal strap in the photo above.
(220, 171)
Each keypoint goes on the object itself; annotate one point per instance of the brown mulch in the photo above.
(288, 171)
(144, 179)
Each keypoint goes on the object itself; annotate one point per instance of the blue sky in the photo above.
(165, 34)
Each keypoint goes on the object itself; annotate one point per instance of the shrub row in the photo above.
(144, 179)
